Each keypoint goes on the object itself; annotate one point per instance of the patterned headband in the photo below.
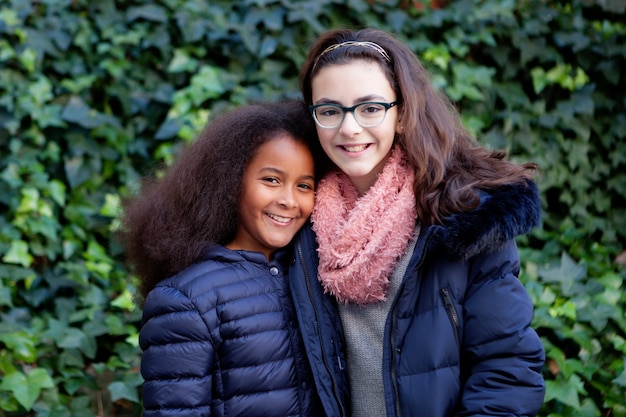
(364, 44)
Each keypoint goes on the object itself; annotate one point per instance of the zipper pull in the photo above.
(339, 362)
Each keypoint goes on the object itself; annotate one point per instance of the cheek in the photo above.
(386, 134)
(324, 135)
(306, 204)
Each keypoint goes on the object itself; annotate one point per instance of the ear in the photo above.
(399, 123)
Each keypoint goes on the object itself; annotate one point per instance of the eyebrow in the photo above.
(369, 97)
(278, 171)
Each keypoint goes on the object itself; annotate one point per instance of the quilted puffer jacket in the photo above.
(221, 339)
(458, 340)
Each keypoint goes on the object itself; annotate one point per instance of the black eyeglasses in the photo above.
(367, 114)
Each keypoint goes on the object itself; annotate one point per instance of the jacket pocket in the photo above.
(452, 314)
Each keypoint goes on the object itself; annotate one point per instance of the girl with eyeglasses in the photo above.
(412, 245)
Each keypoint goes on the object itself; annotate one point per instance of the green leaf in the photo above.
(77, 111)
(567, 273)
(57, 189)
(438, 55)
(77, 171)
(27, 387)
(621, 379)
(115, 325)
(562, 391)
(18, 254)
(22, 345)
(40, 91)
(9, 17)
(74, 338)
(150, 12)
(207, 83)
(81, 406)
(5, 296)
(124, 301)
(540, 81)
(168, 129)
(28, 58)
(182, 62)
(111, 205)
(567, 309)
(121, 390)
(80, 83)
(268, 46)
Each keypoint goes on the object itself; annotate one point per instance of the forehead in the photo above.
(279, 152)
(349, 83)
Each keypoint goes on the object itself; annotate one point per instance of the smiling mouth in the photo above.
(279, 219)
(355, 148)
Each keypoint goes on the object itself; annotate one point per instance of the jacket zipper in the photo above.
(319, 331)
(394, 382)
(452, 314)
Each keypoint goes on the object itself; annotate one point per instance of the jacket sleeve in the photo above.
(502, 353)
(177, 358)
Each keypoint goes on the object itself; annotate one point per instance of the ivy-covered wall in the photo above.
(95, 94)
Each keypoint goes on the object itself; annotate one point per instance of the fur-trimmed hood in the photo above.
(503, 214)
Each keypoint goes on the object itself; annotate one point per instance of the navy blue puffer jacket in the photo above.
(221, 339)
(458, 340)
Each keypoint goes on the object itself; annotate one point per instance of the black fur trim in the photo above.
(503, 214)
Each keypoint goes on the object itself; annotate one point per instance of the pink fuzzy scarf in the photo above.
(361, 238)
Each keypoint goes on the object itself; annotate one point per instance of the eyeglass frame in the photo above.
(345, 110)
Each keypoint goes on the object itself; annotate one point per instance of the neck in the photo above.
(364, 183)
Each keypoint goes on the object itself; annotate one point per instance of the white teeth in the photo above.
(280, 218)
(357, 148)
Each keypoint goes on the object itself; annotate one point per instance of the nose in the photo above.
(349, 126)
(287, 198)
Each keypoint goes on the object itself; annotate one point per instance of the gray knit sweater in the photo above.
(364, 328)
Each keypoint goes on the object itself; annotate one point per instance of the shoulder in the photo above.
(219, 268)
(502, 215)
(189, 301)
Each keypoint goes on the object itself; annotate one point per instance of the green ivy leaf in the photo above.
(115, 325)
(5, 296)
(76, 171)
(121, 390)
(168, 129)
(18, 254)
(21, 344)
(564, 392)
(27, 387)
(9, 17)
(567, 273)
(268, 46)
(111, 205)
(621, 379)
(74, 338)
(150, 12)
(124, 301)
(28, 58)
(77, 111)
(57, 191)
(182, 62)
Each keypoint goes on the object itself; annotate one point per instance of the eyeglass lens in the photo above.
(366, 114)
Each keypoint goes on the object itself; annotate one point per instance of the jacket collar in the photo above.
(503, 214)
(219, 252)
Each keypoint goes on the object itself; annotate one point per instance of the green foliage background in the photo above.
(93, 94)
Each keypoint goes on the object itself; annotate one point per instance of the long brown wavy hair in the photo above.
(174, 219)
(449, 164)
